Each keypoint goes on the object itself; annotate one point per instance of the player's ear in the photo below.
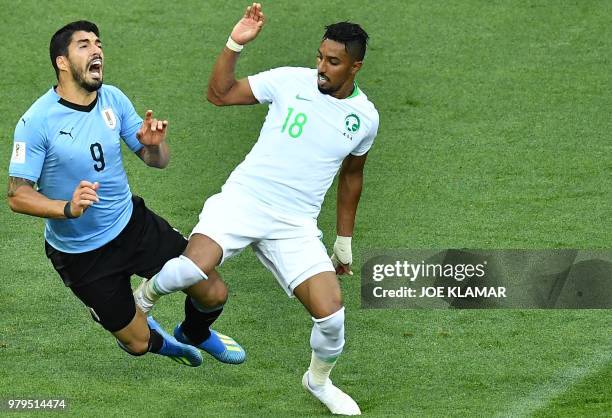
(62, 63)
(356, 67)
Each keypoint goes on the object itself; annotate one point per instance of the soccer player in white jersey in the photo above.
(318, 121)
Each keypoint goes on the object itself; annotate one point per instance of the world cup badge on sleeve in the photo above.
(19, 152)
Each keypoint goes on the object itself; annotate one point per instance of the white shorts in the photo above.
(289, 246)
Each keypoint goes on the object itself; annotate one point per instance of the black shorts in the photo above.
(101, 278)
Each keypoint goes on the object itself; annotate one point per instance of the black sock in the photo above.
(197, 323)
(155, 341)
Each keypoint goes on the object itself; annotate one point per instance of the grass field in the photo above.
(494, 133)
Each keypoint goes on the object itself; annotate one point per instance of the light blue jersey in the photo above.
(57, 144)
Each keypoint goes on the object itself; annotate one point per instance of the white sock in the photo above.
(177, 274)
(319, 370)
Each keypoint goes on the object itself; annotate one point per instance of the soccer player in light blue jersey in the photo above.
(98, 234)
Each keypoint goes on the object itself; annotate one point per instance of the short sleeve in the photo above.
(29, 149)
(366, 143)
(265, 85)
(130, 122)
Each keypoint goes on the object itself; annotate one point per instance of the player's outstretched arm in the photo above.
(223, 88)
(22, 198)
(152, 135)
(350, 183)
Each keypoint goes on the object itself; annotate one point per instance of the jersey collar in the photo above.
(355, 92)
(81, 108)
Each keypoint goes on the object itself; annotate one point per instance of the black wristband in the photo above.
(67, 212)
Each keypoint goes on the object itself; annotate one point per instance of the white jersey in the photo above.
(304, 139)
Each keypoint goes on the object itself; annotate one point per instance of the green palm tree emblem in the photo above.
(352, 123)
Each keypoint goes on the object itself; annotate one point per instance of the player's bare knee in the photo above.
(220, 294)
(323, 309)
(204, 252)
(209, 293)
(334, 305)
(217, 296)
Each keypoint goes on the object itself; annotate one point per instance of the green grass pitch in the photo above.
(494, 133)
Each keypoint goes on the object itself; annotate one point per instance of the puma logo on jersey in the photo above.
(297, 96)
(67, 133)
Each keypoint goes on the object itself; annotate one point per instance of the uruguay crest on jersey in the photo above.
(109, 117)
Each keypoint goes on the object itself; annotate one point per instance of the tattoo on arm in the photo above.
(15, 183)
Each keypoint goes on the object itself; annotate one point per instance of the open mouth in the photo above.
(95, 68)
(322, 78)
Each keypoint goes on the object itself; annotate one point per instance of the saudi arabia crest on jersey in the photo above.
(352, 123)
(109, 118)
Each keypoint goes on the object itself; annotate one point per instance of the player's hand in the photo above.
(249, 26)
(342, 258)
(152, 131)
(83, 197)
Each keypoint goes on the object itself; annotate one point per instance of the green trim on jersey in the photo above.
(355, 92)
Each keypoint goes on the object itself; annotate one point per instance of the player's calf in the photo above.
(327, 342)
(135, 348)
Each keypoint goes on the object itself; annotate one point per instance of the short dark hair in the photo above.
(61, 39)
(354, 38)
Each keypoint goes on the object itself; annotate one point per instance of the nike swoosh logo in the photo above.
(297, 96)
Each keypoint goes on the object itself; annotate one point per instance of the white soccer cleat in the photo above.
(338, 402)
(144, 298)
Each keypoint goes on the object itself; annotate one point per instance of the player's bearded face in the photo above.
(87, 77)
(335, 67)
(87, 61)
